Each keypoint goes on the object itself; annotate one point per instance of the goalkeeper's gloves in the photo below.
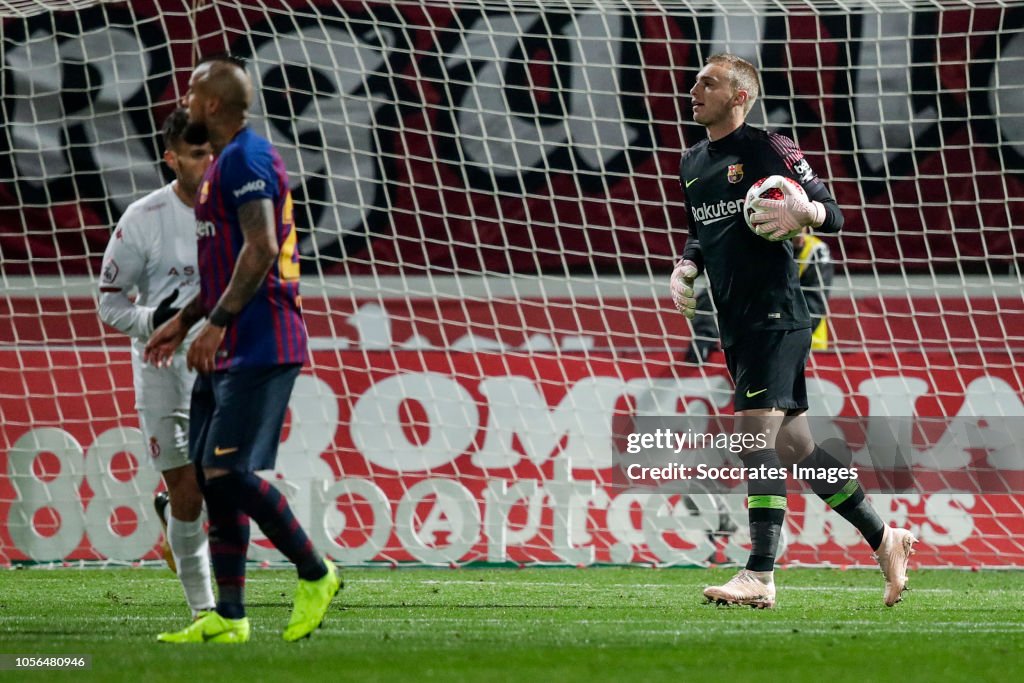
(164, 311)
(683, 295)
(782, 219)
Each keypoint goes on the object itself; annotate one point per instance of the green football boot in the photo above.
(312, 598)
(210, 627)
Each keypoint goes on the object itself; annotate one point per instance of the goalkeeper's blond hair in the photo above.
(742, 76)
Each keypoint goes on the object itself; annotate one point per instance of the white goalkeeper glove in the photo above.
(782, 219)
(683, 295)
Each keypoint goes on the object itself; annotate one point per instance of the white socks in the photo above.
(192, 555)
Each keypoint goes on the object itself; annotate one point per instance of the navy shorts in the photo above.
(237, 417)
(768, 367)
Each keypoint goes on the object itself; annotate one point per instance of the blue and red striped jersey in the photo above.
(269, 330)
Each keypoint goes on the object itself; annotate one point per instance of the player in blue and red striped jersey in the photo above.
(248, 354)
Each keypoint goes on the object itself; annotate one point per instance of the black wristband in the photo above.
(219, 317)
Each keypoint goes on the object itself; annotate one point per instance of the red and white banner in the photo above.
(422, 455)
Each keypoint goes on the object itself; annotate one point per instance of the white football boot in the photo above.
(756, 589)
(893, 555)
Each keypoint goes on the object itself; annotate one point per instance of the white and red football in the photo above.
(772, 187)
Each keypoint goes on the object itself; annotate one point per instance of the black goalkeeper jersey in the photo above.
(755, 282)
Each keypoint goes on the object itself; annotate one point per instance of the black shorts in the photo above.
(237, 417)
(768, 369)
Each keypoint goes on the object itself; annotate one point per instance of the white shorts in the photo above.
(162, 397)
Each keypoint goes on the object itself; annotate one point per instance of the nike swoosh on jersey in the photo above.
(752, 394)
(691, 182)
(224, 451)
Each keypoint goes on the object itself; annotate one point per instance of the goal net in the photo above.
(489, 209)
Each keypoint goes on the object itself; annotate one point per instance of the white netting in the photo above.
(28, 8)
(489, 208)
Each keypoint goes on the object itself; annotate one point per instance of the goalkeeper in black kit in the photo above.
(763, 317)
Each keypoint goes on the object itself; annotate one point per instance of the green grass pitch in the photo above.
(545, 624)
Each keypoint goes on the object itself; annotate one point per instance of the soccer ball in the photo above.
(772, 187)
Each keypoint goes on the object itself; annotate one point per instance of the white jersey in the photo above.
(152, 251)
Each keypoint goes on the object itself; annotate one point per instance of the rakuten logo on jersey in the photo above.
(205, 229)
(712, 213)
(251, 186)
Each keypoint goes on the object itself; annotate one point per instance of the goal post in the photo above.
(489, 208)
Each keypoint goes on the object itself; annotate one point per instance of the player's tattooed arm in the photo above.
(192, 312)
(256, 257)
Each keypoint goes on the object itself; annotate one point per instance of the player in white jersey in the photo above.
(153, 251)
